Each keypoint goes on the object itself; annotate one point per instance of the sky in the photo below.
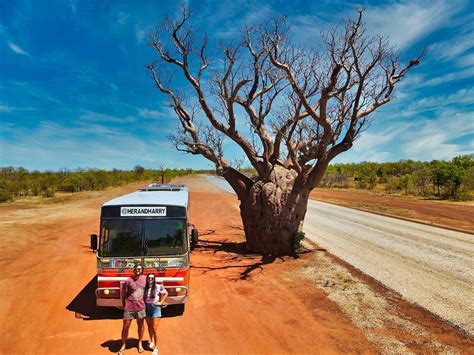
(74, 91)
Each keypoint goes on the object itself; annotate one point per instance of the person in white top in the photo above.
(155, 296)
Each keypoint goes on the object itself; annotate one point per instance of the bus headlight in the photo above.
(177, 291)
(108, 293)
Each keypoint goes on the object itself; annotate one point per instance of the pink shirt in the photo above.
(134, 291)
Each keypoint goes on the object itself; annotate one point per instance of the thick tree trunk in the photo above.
(273, 212)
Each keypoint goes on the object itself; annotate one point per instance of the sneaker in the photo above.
(155, 352)
(151, 345)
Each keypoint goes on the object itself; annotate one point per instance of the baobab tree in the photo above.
(301, 108)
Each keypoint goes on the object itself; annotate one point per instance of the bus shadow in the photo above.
(84, 306)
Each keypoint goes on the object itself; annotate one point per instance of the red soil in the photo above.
(456, 215)
(239, 303)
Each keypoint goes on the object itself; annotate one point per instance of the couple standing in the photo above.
(144, 297)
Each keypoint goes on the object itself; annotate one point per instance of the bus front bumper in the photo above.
(112, 294)
(117, 302)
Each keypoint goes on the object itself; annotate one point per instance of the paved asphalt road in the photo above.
(429, 266)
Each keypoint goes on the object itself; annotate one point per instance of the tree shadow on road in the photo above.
(207, 232)
(237, 248)
(236, 253)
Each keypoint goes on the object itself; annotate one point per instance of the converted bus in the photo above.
(148, 226)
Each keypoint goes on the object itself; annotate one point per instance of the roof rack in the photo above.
(162, 187)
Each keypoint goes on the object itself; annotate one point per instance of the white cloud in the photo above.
(228, 18)
(53, 145)
(416, 82)
(73, 6)
(406, 22)
(446, 78)
(466, 60)
(140, 35)
(5, 108)
(8, 108)
(307, 29)
(92, 116)
(372, 145)
(371, 140)
(142, 31)
(22, 88)
(433, 103)
(452, 48)
(440, 138)
(147, 113)
(17, 49)
(122, 18)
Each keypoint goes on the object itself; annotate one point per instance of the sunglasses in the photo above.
(151, 278)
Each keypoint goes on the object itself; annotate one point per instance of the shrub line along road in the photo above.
(429, 266)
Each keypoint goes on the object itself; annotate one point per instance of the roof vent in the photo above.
(162, 187)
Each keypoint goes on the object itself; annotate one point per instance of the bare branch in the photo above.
(303, 108)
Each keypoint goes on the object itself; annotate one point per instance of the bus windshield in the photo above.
(149, 237)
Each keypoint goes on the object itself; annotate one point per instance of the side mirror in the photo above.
(194, 238)
(94, 242)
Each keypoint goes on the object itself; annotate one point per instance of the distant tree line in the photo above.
(441, 179)
(19, 182)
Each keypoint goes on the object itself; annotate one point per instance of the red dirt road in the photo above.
(239, 303)
(457, 215)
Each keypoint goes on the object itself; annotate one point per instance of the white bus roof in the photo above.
(154, 194)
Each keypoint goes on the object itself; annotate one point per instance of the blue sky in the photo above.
(74, 91)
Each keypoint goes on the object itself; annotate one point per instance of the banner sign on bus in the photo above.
(145, 211)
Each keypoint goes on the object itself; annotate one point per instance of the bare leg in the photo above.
(125, 328)
(141, 330)
(149, 323)
(156, 323)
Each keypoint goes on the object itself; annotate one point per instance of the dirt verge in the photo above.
(240, 302)
(454, 215)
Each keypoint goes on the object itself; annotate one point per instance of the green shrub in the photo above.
(298, 237)
(361, 184)
(49, 192)
(393, 184)
(5, 195)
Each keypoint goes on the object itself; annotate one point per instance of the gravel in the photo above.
(370, 311)
(429, 266)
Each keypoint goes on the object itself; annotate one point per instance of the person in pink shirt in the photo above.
(134, 290)
(155, 295)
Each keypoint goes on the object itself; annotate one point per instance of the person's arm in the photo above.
(123, 293)
(163, 296)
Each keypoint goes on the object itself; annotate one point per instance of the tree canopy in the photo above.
(302, 107)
